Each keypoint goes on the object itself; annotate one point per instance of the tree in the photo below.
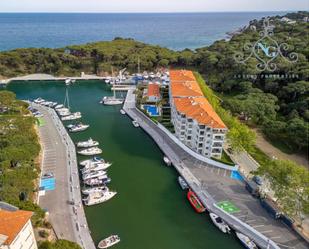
(290, 183)
(59, 244)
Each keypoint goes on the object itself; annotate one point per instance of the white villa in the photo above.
(16, 230)
(196, 123)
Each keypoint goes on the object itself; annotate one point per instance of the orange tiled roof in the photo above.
(11, 223)
(153, 90)
(198, 108)
(183, 84)
(181, 75)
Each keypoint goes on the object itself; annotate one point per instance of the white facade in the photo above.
(24, 240)
(200, 138)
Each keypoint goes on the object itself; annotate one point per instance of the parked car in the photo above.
(258, 180)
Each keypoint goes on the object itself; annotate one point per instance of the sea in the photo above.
(176, 31)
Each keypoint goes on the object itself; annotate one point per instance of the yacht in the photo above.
(122, 112)
(95, 167)
(108, 242)
(246, 241)
(111, 101)
(88, 191)
(73, 116)
(63, 109)
(39, 100)
(79, 127)
(93, 160)
(90, 151)
(95, 174)
(64, 113)
(183, 184)
(135, 123)
(97, 181)
(99, 197)
(219, 223)
(59, 106)
(53, 104)
(87, 144)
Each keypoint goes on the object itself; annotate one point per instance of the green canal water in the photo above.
(150, 210)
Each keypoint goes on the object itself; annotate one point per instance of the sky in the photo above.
(150, 6)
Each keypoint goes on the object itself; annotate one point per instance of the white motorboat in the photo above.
(97, 181)
(219, 223)
(67, 81)
(89, 191)
(90, 151)
(73, 116)
(64, 113)
(92, 167)
(80, 127)
(183, 184)
(87, 144)
(93, 160)
(63, 109)
(111, 101)
(167, 161)
(135, 123)
(122, 112)
(39, 100)
(99, 197)
(108, 242)
(246, 241)
(95, 174)
(59, 106)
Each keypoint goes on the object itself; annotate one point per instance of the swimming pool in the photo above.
(152, 110)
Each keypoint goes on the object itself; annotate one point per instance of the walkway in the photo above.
(48, 77)
(66, 212)
(213, 185)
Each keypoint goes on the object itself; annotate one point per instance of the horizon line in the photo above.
(144, 12)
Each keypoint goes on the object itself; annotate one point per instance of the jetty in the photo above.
(216, 188)
(63, 203)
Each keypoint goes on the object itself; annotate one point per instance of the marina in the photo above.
(139, 165)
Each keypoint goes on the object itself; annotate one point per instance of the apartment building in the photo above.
(196, 123)
(16, 230)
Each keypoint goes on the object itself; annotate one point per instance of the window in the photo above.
(200, 145)
(202, 132)
(189, 137)
(190, 120)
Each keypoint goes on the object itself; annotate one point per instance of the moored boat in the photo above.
(183, 184)
(219, 223)
(88, 191)
(87, 144)
(95, 167)
(123, 112)
(99, 197)
(96, 174)
(39, 100)
(108, 242)
(79, 127)
(167, 161)
(95, 159)
(111, 101)
(195, 202)
(135, 123)
(90, 151)
(98, 181)
(73, 116)
(246, 241)
(59, 106)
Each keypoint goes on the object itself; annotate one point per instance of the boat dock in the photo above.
(63, 203)
(217, 188)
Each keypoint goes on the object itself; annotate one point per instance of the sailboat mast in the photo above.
(138, 65)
